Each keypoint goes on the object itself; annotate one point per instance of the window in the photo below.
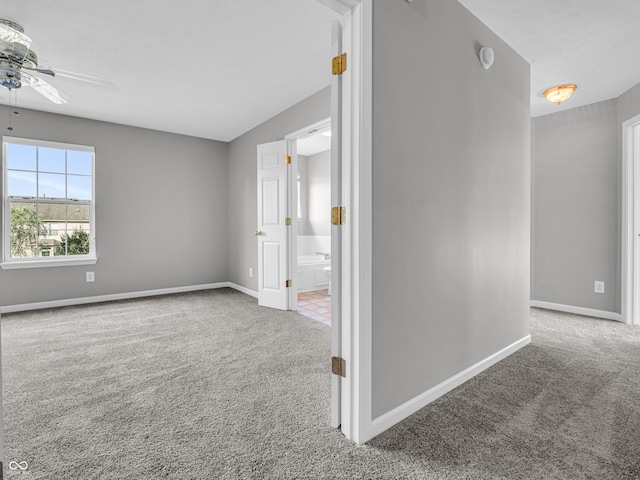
(48, 204)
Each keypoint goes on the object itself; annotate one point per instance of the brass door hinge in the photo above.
(339, 366)
(288, 283)
(287, 221)
(339, 64)
(338, 215)
(288, 159)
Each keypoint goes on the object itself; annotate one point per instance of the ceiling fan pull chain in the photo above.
(10, 128)
(13, 102)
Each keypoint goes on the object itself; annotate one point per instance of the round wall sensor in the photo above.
(486, 57)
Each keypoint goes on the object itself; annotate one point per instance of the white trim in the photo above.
(341, 7)
(39, 262)
(240, 288)
(32, 142)
(630, 194)
(123, 296)
(589, 312)
(360, 222)
(310, 130)
(408, 408)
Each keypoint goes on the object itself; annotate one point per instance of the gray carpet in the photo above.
(207, 385)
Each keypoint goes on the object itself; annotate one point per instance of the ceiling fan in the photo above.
(18, 63)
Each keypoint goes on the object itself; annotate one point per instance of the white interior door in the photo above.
(336, 231)
(272, 228)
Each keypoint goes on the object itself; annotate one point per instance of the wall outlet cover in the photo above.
(598, 287)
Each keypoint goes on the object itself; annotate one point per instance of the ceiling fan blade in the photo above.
(44, 89)
(79, 78)
(44, 71)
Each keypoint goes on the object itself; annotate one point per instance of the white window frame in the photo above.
(38, 262)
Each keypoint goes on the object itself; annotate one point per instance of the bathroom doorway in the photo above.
(313, 188)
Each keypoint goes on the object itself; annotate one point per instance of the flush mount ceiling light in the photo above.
(560, 93)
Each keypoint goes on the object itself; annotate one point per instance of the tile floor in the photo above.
(315, 305)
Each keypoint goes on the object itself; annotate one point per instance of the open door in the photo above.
(272, 226)
(336, 231)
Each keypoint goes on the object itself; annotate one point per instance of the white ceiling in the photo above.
(215, 69)
(207, 68)
(592, 43)
(312, 144)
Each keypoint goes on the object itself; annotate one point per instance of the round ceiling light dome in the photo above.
(559, 93)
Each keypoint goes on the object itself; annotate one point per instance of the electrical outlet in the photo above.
(250, 272)
(598, 287)
(91, 277)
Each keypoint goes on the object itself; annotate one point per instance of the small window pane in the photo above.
(76, 241)
(25, 229)
(79, 187)
(51, 160)
(79, 162)
(54, 218)
(21, 157)
(21, 184)
(51, 185)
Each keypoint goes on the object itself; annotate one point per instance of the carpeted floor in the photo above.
(207, 385)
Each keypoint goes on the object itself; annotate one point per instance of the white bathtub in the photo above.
(312, 260)
(310, 274)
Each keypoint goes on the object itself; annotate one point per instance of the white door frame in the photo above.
(356, 125)
(292, 141)
(631, 221)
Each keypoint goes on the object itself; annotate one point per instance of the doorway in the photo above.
(313, 186)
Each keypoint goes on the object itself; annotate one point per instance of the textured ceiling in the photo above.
(592, 43)
(216, 69)
(212, 69)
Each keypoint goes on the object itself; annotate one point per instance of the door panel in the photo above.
(272, 230)
(271, 271)
(270, 201)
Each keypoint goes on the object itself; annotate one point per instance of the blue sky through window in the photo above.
(48, 172)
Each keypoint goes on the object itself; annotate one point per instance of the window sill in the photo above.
(67, 262)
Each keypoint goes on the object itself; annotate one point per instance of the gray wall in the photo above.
(161, 211)
(451, 160)
(575, 190)
(303, 171)
(316, 194)
(628, 104)
(242, 181)
(577, 195)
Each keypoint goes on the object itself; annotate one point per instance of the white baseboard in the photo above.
(589, 312)
(122, 296)
(408, 408)
(240, 288)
